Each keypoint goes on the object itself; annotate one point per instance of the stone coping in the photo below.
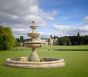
(43, 64)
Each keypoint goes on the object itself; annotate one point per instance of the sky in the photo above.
(54, 17)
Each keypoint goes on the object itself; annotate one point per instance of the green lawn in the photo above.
(76, 62)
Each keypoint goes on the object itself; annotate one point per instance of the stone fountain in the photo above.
(34, 61)
(33, 44)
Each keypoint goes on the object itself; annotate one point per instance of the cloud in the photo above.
(86, 19)
(20, 13)
(19, 30)
(64, 30)
(44, 33)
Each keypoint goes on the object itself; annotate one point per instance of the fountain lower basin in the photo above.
(44, 62)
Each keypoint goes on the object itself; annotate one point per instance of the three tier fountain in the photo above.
(34, 61)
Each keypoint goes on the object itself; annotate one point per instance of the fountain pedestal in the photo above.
(34, 56)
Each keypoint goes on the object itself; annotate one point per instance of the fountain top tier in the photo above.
(33, 34)
(33, 25)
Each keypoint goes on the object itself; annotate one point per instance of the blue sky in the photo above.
(69, 13)
(55, 17)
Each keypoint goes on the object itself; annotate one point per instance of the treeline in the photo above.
(72, 40)
(66, 40)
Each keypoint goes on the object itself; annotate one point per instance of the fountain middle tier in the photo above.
(33, 35)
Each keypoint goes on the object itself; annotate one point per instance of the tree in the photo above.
(7, 39)
(64, 40)
(78, 38)
(84, 40)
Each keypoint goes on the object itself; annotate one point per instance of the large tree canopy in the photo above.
(7, 39)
